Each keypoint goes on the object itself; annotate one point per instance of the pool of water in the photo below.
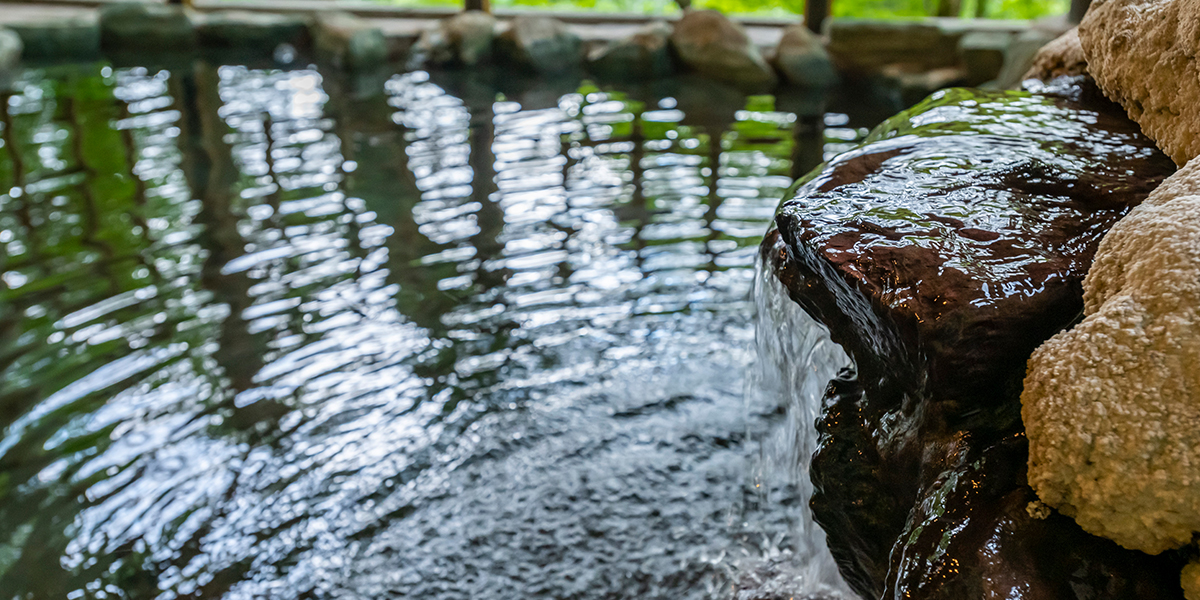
(279, 334)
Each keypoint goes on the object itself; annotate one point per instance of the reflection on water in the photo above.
(265, 335)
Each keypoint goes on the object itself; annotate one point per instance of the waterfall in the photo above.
(796, 360)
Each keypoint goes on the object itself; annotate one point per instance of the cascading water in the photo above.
(796, 360)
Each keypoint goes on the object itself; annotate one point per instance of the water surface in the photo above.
(276, 334)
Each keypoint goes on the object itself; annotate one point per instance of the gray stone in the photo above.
(1019, 57)
(983, 53)
(72, 38)
(644, 55)
(10, 50)
(348, 42)
(1062, 57)
(136, 27)
(915, 86)
(539, 44)
(235, 29)
(862, 47)
(464, 39)
(712, 45)
(802, 59)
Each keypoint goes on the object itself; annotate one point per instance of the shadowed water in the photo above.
(269, 334)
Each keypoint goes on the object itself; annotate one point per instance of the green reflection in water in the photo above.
(247, 318)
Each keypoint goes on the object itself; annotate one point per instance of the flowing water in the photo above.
(275, 334)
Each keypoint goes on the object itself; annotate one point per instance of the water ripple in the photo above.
(263, 335)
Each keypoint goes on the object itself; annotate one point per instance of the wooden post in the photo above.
(949, 8)
(1078, 9)
(815, 13)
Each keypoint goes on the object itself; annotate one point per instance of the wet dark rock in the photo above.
(348, 42)
(539, 44)
(802, 60)
(462, 40)
(940, 254)
(712, 45)
(643, 56)
(134, 27)
(231, 30)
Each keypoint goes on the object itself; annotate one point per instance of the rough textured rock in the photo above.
(642, 56)
(1190, 580)
(712, 45)
(802, 60)
(1112, 407)
(348, 42)
(1145, 54)
(540, 44)
(10, 50)
(1059, 58)
(464, 39)
(939, 255)
(235, 29)
(136, 27)
(68, 38)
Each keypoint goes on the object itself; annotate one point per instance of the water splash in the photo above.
(796, 360)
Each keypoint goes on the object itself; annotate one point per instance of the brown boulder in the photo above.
(939, 255)
(712, 45)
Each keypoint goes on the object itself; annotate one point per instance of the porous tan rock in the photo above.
(1145, 54)
(1190, 580)
(1061, 57)
(1112, 406)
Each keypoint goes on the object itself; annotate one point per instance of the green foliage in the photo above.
(881, 9)
(649, 7)
(870, 9)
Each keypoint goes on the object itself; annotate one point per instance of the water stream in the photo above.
(266, 335)
(795, 360)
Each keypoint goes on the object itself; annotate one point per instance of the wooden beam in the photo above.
(815, 13)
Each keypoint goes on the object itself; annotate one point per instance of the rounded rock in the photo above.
(712, 45)
(1112, 406)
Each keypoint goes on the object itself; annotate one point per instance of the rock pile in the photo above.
(1112, 406)
(943, 252)
(939, 255)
